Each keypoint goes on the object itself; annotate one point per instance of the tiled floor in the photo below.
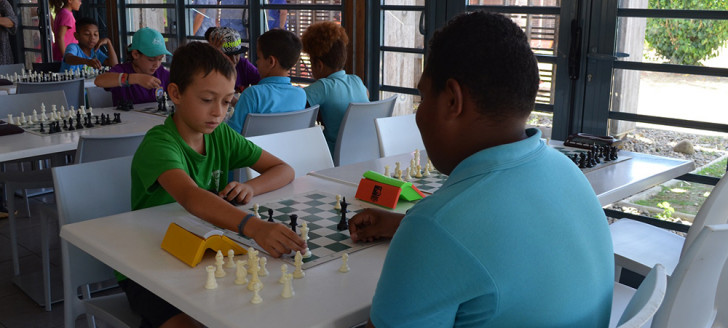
(17, 309)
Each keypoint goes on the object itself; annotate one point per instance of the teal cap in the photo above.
(149, 42)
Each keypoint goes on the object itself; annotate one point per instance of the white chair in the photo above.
(73, 89)
(634, 308)
(11, 69)
(99, 98)
(26, 103)
(357, 140)
(639, 246)
(398, 135)
(691, 299)
(75, 204)
(96, 148)
(260, 124)
(305, 150)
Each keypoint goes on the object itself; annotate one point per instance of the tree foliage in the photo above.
(687, 41)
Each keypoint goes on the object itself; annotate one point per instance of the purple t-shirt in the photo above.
(64, 17)
(247, 74)
(135, 92)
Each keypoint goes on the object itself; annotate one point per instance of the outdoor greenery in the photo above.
(687, 41)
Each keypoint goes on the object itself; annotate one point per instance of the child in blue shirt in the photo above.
(278, 50)
(87, 51)
(325, 43)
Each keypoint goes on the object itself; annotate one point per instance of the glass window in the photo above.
(401, 69)
(401, 29)
(515, 2)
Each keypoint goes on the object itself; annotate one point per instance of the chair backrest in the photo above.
(259, 124)
(713, 211)
(72, 88)
(646, 300)
(690, 300)
(11, 69)
(83, 192)
(305, 150)
(99, 98)
(96, 148)
(26, 103)
(53, 67)
(398, 135)
(357, 140)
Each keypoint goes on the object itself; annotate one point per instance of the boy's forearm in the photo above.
(272, 179)
(112, 60)
(74, 60)
(107, 80)
(211, 208)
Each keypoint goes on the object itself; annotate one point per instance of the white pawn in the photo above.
(427, 170)
(53, 108)
(406, 176)
(344, 263)
(398, 174)
(337, 205)
(263, 271)
(22, 118)
(298, 273)
(219, 261)
(287, 286)
(42, 107)
(418, 173)
(10, 119)
(210, 283)
(386, 170)
(63, 111)
(53, 116)
(82, 109)
(256, 295)
(254, 280)
(284, 271)
(241, 275)
(304, 231)
(256, 207)
(231, 259)
(91, 110)
(43, 116)
(35, 115)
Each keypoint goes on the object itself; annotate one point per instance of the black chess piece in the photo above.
(270, 215)
(70, 124)
(117, 117)
(65, 125)
(90, 123)
(613, 153)
(344, 222)
(42, 130)
(293, 223)
(97, 119)
(582, 160)
(78, 121)
(159, 104)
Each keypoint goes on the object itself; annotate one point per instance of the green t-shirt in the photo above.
(164, 149)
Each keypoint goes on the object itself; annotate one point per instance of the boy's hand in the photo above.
(371, 224)
(93, 62)
(275, 238)
(144, 80)
(104, 41)
(241, 193)
(216, 41)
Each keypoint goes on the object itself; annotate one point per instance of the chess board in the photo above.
(429, 184)
(317, 210)
(152, 110)
(569, 151)
(35, 128)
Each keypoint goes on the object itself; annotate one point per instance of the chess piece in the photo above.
(63, 112)
(306, 253)
(210, 283)
(252, 256)
(254, 279)
(344, 263)
(407, 174)
(427, 169)
(22, 118)
(287, 286)
(241, 274)
(231, 259)
(304, 231)
(284, 271)
(417, 157)
(397, 170)
(418, 174)
(255, 209)
(263, 271)
(219, 261)
(293, 223)
(10, 119)
(256, 295)
(298, 262)
(41, 128)
(337, 205)
(35, 115)
(270, 215)
(386, 170)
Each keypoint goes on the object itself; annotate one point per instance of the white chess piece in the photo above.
(406, 176)
(337, 205)
(35, 115)
(418, 173)
(287, 286)
(397, 170)
(82, 109)
(386, 170)
(10, 119)
(91, 110)
(231, 259)
(298, 273)
(256, 295)
(263, 271)
(252, 257)
(42, 107)
(22, 118)
(344, 263)
(254, 279)
(210, 283)
(241, 275)
(417, 156)
(284, 271)
(427, 170)
(63, 111)
(53, 108)
(256, 207)
(219, 261)
(304, 231)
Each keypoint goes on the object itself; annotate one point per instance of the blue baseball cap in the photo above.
(149, 42)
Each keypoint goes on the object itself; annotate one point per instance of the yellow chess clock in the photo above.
(189, 247)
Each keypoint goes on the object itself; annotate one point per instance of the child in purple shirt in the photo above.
(229, 42)
(142, 79)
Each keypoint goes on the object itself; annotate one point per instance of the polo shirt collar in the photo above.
(276, 80)
(498, 157)
(337, 75)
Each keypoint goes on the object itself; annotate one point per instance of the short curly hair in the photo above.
(326, 41)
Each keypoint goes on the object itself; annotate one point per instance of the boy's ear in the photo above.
(453, 98)
(174, 93)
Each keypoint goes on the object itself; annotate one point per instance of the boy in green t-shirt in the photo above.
(187, 160)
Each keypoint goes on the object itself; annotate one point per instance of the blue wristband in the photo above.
(243, 222)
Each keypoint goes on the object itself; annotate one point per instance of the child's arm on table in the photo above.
(111, 80)
(274, 174)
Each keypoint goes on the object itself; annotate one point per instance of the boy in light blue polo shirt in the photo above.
(515, 237)
(278, 50)
(87, 51)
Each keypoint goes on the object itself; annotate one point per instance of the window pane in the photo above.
(405, 104)
(32, 57)
(29, 16)
(299, 20)
(401, 69)
(404, 2)
(675, 41)
(532, 3)
(160, 19)
(202, 19)
(547, 87)
(402, 29)
(31, 39)
(137, 2)
(306, 2)
(673, 4)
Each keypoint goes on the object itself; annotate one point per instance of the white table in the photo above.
(130, 243)
(10, 88)
(611, 183)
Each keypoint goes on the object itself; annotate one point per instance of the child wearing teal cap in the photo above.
(143, 77)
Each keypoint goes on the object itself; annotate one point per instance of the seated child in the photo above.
(142, 79)
(278, 50)
(516, 226)
(87, 51)
(325, 43)
(187, 159)
(228, 41)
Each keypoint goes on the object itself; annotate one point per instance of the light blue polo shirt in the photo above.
(75, 49)
(514, 238)
(273, 94)
(333, 94)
